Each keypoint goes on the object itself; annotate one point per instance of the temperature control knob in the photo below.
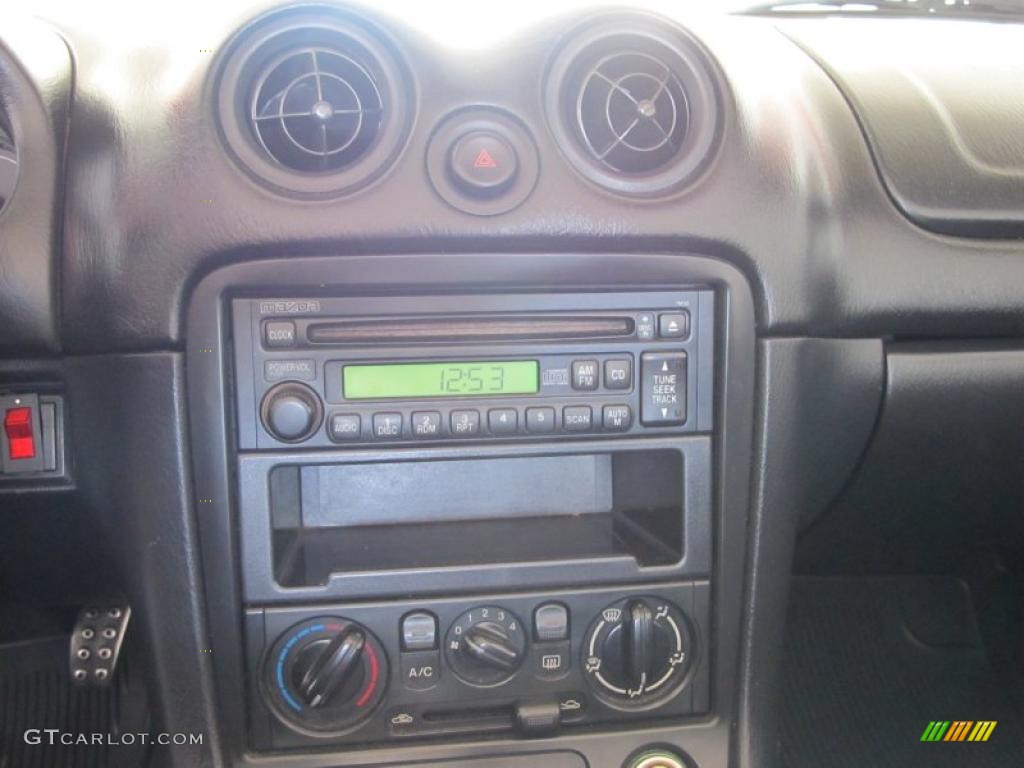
(637, 652)
(324, 676)
(486, 645)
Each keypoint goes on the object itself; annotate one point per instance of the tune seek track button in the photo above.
(663, 388)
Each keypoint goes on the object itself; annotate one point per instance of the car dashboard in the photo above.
(478, 385)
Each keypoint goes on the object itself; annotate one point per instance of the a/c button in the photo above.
(421, 670)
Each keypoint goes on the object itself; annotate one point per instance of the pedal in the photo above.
(96, 642)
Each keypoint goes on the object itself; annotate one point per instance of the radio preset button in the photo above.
(674, 325)
(585, 375)
(344, 426)
(663, 388)
(426, 423)
(540, 419)
(279, 333)
(387, 425)
(617, 418)
(577, 418)
(618, 373)
(502, 421)
(465, 423)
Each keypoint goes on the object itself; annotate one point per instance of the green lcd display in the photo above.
(459, 379)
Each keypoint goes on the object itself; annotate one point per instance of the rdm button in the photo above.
(663, 388)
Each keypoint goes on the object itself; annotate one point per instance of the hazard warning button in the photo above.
(483, 164)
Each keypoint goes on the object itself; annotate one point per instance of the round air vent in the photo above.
(315, 105)
(633, 105)
(8, 165)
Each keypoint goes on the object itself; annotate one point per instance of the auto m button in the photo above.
(663, 388)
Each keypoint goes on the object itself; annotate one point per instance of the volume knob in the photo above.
(291, 412)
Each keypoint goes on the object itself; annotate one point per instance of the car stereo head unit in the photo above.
(327, 372)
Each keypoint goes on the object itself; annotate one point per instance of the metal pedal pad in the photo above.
(96, 642)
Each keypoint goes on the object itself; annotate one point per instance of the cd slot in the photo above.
(469, 328)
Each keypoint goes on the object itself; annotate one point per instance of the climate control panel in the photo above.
(524, 665)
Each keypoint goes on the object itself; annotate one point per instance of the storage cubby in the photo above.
(358, 517)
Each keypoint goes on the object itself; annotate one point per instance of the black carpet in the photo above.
(870, 661)
(36, 694)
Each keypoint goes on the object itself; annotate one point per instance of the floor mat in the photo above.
(870, 662)
(37, 694)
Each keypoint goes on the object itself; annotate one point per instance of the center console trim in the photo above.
(208, 360)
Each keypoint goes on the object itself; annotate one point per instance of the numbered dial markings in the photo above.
(486, 645)
(637, 652)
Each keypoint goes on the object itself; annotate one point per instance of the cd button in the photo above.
(577, 418)
(502, 421)
(540, 419)
(426, 423)
(387, 425)
(618, 374)
(465, 423)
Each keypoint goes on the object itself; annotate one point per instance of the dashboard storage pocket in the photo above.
(355, 517)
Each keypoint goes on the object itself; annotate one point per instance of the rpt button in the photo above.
(663, 388)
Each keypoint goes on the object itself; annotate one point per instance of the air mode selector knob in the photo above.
(486, 645)
(291, 412)
(637, 652)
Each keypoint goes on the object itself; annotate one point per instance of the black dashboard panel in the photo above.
(35, 100)
(945, 127)
(141, 244)
(142, 226)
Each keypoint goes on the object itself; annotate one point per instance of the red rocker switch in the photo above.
(18, 427)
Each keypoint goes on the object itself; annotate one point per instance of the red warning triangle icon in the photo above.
(484, 160)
